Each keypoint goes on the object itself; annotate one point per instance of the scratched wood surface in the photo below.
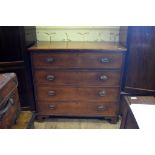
(78, 45)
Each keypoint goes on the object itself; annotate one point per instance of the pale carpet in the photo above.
(76, 124)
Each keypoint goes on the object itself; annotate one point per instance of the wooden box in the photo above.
(128, 117)
(9, 100)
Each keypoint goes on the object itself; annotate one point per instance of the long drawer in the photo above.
(76, 108)
(47, 93)
(78, 78)
(76, 60)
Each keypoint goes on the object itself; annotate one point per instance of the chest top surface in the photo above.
(108, 46)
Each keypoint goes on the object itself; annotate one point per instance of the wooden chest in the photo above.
(131, 119)
(128, 119)
(9, 100)
(77, 79)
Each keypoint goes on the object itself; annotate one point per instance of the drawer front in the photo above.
(76, 108)
(77, 60)
(78, 78)
(77, 94)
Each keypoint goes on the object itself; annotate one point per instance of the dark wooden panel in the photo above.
(140, 70)
(47, 93)
(14, 58)
(123, 35)
(10, 47)
(138, 91)
(77, 108)
(77, 60)
(130, 121)
(30, 35)
(124, 107)
(78, 78)
(14, 40)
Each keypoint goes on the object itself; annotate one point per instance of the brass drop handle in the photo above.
(50, 77)
(104, 60)
(51, 106)
(51, 93)
(103, 77)
(102, 93)
(100, 108)
(50, 60)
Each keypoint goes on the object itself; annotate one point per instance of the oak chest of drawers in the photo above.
(77, 79)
